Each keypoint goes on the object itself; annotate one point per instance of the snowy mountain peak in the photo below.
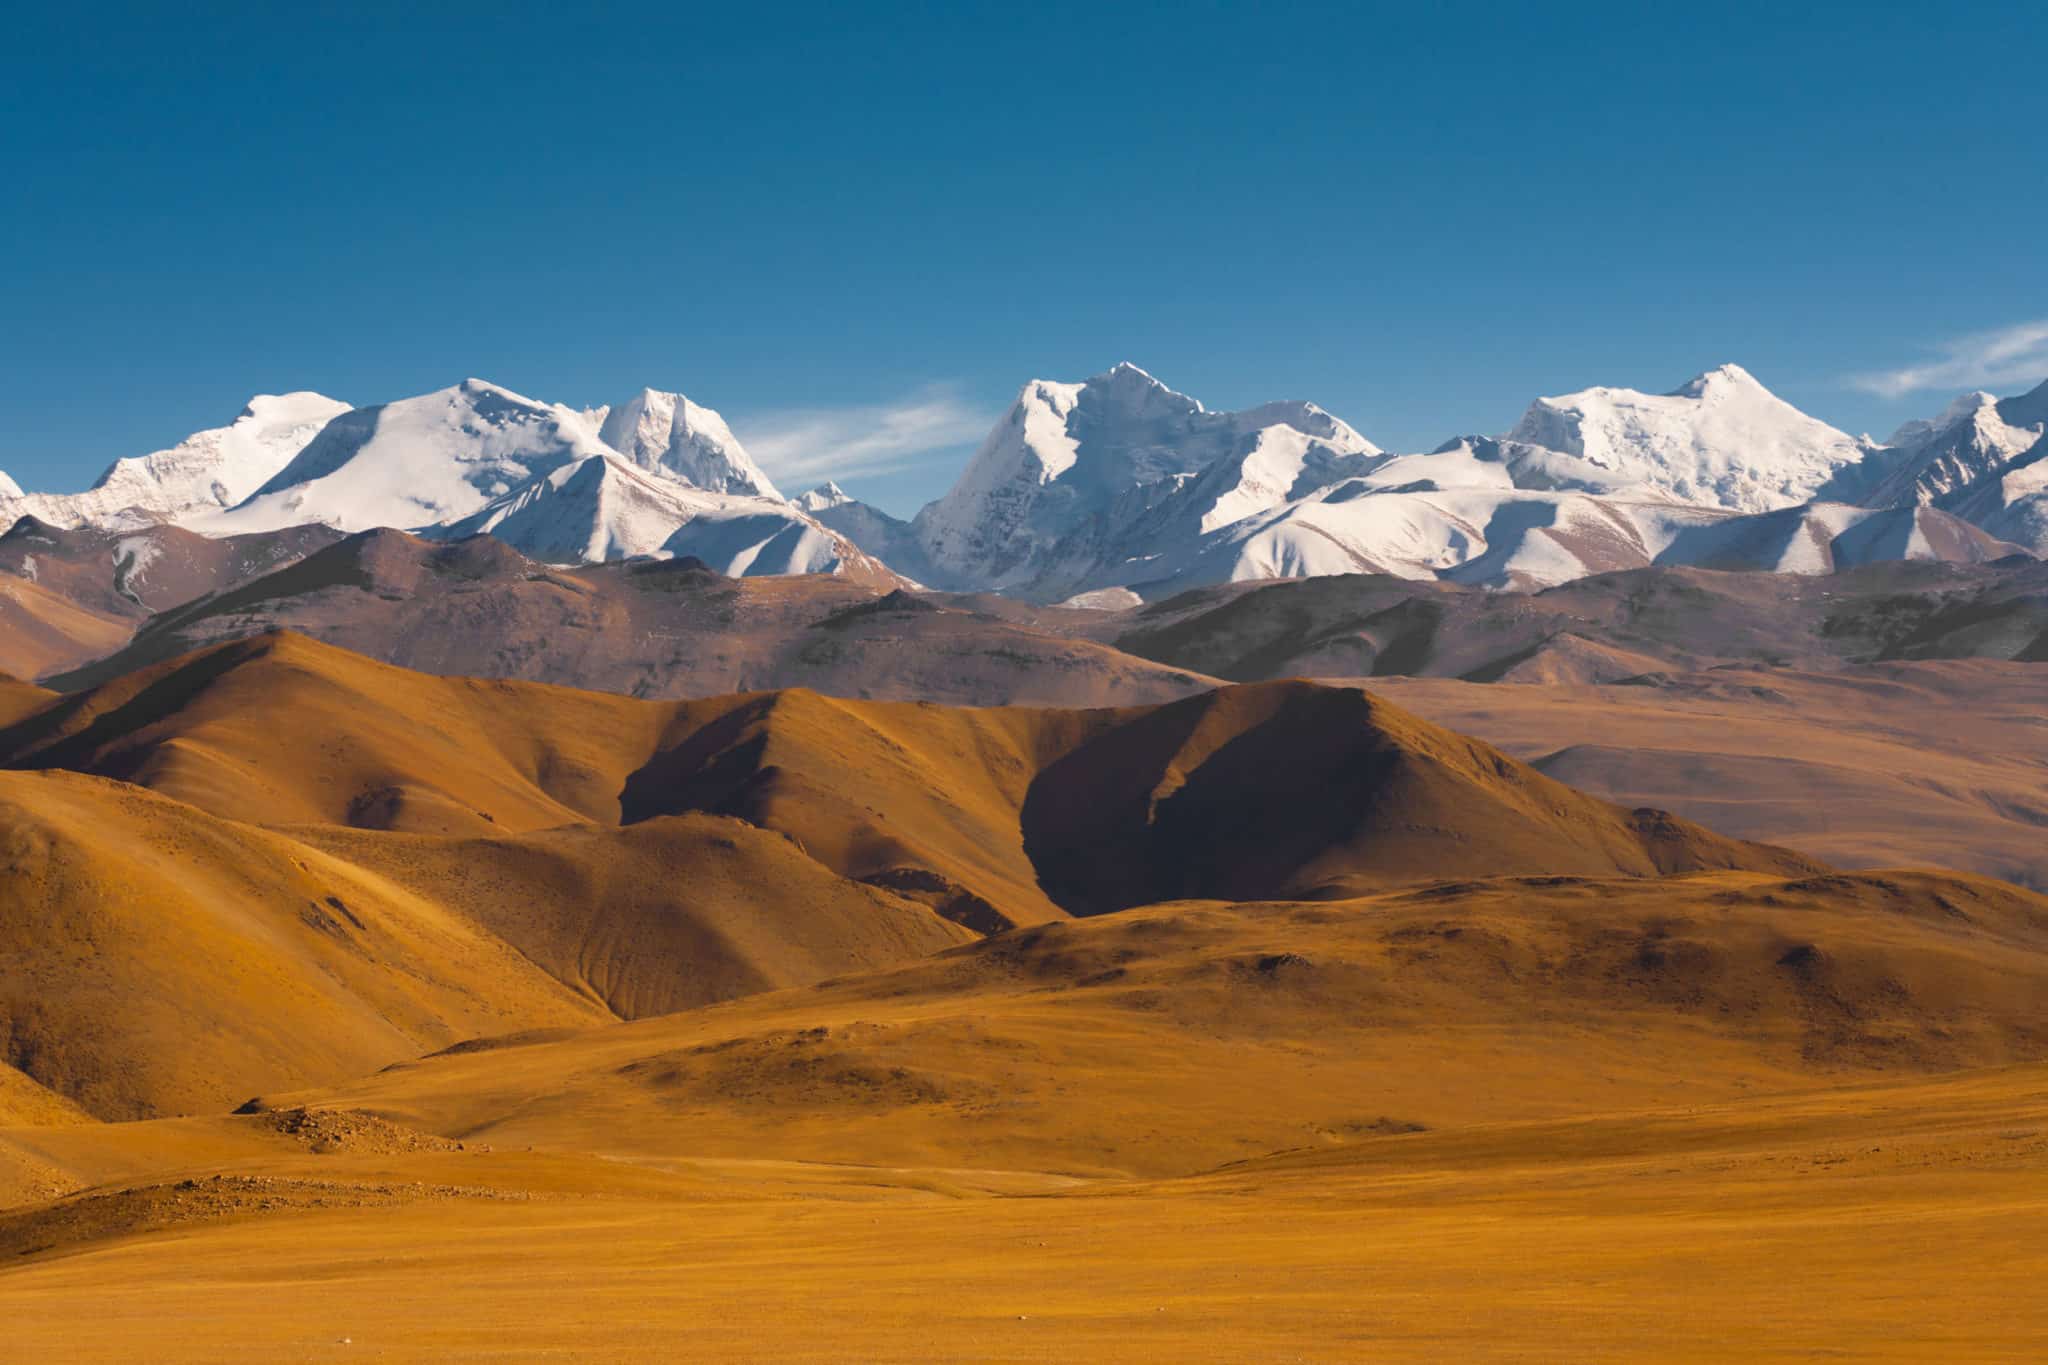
(1721, 440)
(666, 433)
(414, 462)
(824, 496)
(603, 507)
(1719, 381)
(1971, 439)
(203, 473)
(1960, 409)
(1125, 386)
(8, 487)
(1113, 448)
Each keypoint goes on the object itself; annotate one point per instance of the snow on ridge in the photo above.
(207, 471)
(1119, 481)
(1720, 440)
(669, 434)
(826, 495)
(604, 507)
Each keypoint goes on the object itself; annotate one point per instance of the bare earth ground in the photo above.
(1888, 1222)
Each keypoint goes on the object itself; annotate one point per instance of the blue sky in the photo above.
(857, 231)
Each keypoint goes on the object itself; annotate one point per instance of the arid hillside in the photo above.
(650, 628)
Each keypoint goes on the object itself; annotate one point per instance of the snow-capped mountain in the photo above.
(2010, 502)
(1068, 453)
(1975, 436)
(1720, 440)
(478, 457)
(205, 472)
(603, 508)
(415, 462)
(889, 539)
(667, 433)
(823, 498)
(1522, 539)
(1119, 483)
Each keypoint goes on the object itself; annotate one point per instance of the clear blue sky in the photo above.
(835, 221)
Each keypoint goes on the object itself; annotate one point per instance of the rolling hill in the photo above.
(414, 859)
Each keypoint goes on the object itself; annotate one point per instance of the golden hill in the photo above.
(42, 632)
(1001, 815)
(1173, 1038)
(157, 959)
(314, 864)
(280, 730)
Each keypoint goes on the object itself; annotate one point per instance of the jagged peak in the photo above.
(827, 494)
(1960, 409)
(1126, 372)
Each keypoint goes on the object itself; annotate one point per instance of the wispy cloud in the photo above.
(1982, 360)
(804, 444)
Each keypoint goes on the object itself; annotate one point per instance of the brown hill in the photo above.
(1935, 764)
(44, 632)
(650, 628)
(19, 700)
(156, 959)
(1172, 1038)
(1289, 789)
(996, 817)
(317, 864)
(130, 574)
(1597, 629)
(281, 730)
(25, 1104)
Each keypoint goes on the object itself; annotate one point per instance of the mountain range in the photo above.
(1118, 489)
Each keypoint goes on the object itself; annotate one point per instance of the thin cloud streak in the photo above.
(2005, 356)
(807, 444)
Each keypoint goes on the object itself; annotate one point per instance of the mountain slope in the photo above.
(1604, 628)
(42, 632)
(2011, 501)
(1929, 764)
(1173, 1039)
(1066, 453)
(667, 433)
(367, 744)
(1290, 790)
(136, 572)
(991, 816)
(414, 462)
(231, 958)
(663, 629)
(1719, 440)
(1973, 438)
(602, 508)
